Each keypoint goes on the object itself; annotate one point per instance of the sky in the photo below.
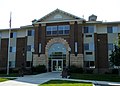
(24, 11)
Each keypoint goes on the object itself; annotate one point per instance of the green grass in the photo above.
(5, 79)
(64, 83)
(99, 77)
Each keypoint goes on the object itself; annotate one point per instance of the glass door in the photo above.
(57, 65)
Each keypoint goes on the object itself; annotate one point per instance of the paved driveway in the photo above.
(32, 80)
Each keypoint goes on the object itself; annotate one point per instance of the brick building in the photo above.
(58, 40)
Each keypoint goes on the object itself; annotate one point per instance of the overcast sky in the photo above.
(24, 11)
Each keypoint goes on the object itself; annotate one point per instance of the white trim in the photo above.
(80, 20)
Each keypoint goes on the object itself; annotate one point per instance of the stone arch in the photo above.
(57, 40)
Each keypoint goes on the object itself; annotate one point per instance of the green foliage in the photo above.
(75, 69)
(115, 71)
(89, 71)
(115, 56)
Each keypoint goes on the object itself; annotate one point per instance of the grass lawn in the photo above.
(5, 79)
(99, 77)
(65, 83)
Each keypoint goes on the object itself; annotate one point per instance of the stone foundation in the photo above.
(76, 60)
(39, 60)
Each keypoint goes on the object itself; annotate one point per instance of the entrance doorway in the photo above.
(57, 57)
(57, 65)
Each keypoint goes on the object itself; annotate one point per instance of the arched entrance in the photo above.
(57, 57)
(57, 54)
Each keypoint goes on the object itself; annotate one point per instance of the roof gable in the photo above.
(58, 15)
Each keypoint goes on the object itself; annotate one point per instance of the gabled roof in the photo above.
(58, 10)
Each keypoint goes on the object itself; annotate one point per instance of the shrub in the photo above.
(115, 71)
(13, 70)
(39, 69)
(3, 71)
(89, 71)
(75, 69)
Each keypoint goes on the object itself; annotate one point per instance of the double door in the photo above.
(57, 65)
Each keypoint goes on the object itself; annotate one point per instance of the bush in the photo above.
(13, 70)
(39, 69)
(3, 71)
(75, 69)
(89, 71)
(115, 71)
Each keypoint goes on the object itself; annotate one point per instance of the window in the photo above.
(54, 30)
(12, 49)
(30, 47)
(109, 29)
(115, 29)
(110, 46)
(66, 29)
(48, 30)
(13, 35)
(30, 32)
(28, 64)
(76, 47)
(90, 64)
(88, 53)
(40, 48)
(89, 29)
(51, 30)
(85, 29)
(12, 64)
(86, 46)
(61, 30)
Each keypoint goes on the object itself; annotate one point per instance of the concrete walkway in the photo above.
(34, 80)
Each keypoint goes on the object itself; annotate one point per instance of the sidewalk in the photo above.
(34, 80)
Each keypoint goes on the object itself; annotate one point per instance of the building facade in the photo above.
(59, 40)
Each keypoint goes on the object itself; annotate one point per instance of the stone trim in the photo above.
(53, 41)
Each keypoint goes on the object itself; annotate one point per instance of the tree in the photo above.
(115, 56)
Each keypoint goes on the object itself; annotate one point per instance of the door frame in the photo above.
(56, 60)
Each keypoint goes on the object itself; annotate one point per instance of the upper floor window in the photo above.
(61, 30)
(30, 32)
(30, 47)
(89, 29)
(112, 29)
(13, 34)
(51, 30)
(12, 49)
(88, 46)
(109, 29)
